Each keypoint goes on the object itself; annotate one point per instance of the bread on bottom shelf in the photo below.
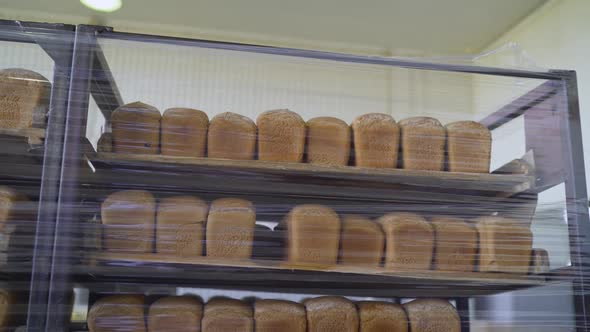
(503, 245)
(227, 315)
(362, 242)
(279, 315)
(331, 314)
(313, 235)
(376, 140)
(24, 99)
(281, 136)
(175, 314)
(423, 144)
(117, 313)
(230, 228)
(455, 244)
(128, 219)
(382, 317)
(426, 315)
(328, 141)
(469, 145)
(231, 136)
(409, 241)
(180, 226)
(136, 129)
(184, 132)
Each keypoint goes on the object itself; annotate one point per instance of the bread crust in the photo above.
(376, 140)
(184, 132)
(231, 136)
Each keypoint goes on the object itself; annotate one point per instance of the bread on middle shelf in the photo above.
(180, 226)
(423, 143)
(427, 315)
(456, 244)
(231, 136)
(470, 146)
(376, 140)
(128, 219)
(504, 245)
(136, 129)
(175, 314)
(184, 132)
(409, 241)
(362, 242)
(313, 234)
(230, 228)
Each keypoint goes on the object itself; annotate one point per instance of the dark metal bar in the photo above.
(45, 229)
(576, 197)
(103, 87)
(463, 309)
(519, 106)
(375, 60)
(67, 213)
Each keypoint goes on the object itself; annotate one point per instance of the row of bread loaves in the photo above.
(24, 99)
(315, 234)
(125, 313)
(130, 224)
(283, 136)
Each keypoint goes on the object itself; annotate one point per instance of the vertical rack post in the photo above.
(576, 197)
(67, 211)
(463, 309)
(60, 49)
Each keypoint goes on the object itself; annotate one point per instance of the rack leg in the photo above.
(463, 309)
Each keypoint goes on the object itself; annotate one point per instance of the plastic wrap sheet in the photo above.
(220, 189)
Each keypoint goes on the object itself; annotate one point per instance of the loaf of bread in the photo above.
(184, 132)
(455, 243)
(230, 228)
(503, 245)
(426, 315)
(136, 129)
(180, 226)
(409, 241)
(8, 202)
(328, 141)
(175, 314)
(117, 313)
(281, 136)
(423, 144)
(469, 147)
(24, 99)
(331, 314)
(128, 219)
(362, 242)
(539, 261)
(382, 317)
(225, 315)
(278, 315)
(313, 234)
(376, 140)
(231, 136)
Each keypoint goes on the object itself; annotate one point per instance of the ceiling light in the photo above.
(103, 5)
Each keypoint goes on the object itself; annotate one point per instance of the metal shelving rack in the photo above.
(91, 76)
(35, 169)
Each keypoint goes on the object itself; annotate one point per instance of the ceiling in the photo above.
(427, 27)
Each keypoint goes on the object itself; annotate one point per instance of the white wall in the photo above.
(555, 36)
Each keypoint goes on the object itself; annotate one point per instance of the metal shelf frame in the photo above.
(53, 272)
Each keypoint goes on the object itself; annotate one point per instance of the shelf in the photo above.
(294, 178)
(266, 276)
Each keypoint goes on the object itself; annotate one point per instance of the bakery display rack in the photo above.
(70, 271)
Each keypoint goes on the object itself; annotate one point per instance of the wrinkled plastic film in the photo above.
(223, 187)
